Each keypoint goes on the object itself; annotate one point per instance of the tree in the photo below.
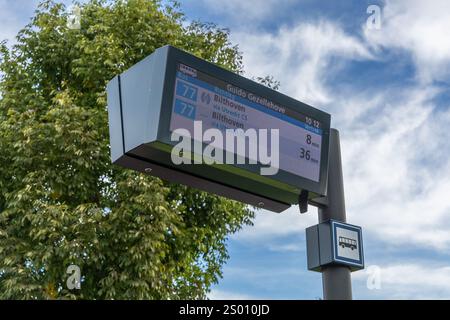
(61, 201)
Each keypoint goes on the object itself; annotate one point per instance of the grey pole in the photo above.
(336, 280)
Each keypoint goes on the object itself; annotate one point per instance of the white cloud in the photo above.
(409, 281)
(300, 57)
(288, 247)
(269, 225)
(420, 28)
(412, 280)
(395, 146)
(395, 173)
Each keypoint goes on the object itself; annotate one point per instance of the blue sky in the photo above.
(388, 93)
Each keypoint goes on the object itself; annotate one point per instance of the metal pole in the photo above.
(336, 280)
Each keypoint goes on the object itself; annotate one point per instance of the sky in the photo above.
(388, 92)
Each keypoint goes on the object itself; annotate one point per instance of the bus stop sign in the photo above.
(334, 243)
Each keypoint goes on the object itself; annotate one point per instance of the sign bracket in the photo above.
(303, 201)
(319, 202)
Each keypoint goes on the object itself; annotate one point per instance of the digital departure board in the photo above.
(221, 105)
(173, 90)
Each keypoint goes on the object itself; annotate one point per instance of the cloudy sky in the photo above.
(388, 92)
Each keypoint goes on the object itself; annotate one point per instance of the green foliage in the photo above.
(61, 201)
(269, 81)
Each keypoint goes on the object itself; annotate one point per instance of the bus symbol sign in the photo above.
(334, 243)
(347, 243)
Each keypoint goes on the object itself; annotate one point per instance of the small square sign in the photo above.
(347, 244)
